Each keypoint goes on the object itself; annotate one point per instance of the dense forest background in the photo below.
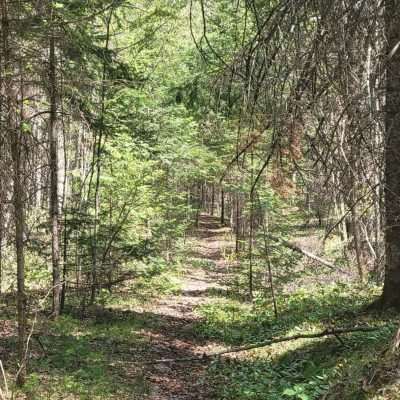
(134, 134)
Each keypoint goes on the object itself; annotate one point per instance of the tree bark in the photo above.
(212, 200)
(54, 203)
(222, 217)
(15, 136)
(391, 292)
(19, 217)
(1, 238)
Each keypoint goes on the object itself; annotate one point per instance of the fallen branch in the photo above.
(4, 392)
(298, 249)
(103, 285)
(204, 357)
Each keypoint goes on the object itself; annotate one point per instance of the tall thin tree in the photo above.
(53, 145)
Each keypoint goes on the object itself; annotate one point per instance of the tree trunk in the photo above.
(1, 237)
(54, 206)
(222, 207)
(19, 247)
(15, 135)
(212, 199)
(237, 224)
(391, 292)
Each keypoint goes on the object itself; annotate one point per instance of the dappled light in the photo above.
(199, 200)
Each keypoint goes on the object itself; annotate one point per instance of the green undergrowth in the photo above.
(160, 280)
(86, 358)
(306, 369)
(91, 356)
(87, 353)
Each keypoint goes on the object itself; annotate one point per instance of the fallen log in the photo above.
(298, 249)
(204, 357)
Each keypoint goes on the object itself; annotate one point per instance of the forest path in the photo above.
(178, 334)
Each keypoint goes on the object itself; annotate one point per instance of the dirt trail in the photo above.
(178, 337)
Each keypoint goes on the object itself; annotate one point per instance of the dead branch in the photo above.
(327, 332)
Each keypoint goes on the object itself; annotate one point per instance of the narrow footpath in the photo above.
(178, 336)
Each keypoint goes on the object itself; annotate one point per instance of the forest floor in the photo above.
(112, 350)
(177, 336)
(109, 351)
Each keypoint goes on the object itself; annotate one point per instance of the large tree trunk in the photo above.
(391, 290)
(13, 130)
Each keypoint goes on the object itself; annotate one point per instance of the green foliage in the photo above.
(151, 112)
(83, 356)
(293, 370)
(159, 278)
(154, 149)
